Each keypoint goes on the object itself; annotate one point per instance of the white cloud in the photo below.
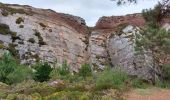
(90, 10)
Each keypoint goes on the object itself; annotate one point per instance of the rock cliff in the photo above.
(33, 35)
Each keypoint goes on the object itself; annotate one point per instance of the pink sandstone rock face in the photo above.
(114, 21)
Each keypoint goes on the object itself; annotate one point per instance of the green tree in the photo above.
(85, 70)
(43, 71)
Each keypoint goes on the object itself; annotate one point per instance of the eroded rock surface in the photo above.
(45, 35)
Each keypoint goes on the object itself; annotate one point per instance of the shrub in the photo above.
(111, 79)
(2, 46)
(152, 16)
(42, 72)
(31, 40)
(4, 13)
(13, 50)
(21, 26)
(85, 70)
(11, 71)
(19, 20)
(166, 70)
(4, 29)
(40, 38)
(61, 72)
(139, 83)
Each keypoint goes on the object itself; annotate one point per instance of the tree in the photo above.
(42, 72)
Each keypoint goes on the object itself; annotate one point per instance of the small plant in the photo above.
(50, 30)
(21, 26)
(19, 20)
(2, 46)
(4, 29)
(31, 40)
(85, 70)
(4, 13)
(43, 71)
(13, 50)
(40, 38)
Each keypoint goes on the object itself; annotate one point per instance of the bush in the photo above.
(21, 26)
(4, 29)
(40, 38)
(61, 72)
(19, 20)
(111, 79)
(2, 46)
(85, 70)
(42, 72)
(12, 72)
(166, 70)
(31, 40)
(139, 83)
(152, 16)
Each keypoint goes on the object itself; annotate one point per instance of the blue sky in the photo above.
(90, 10)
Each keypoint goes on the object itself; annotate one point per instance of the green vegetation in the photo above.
(111, 79)
(35, 81)
(4, 29)
(40, 38)
(21, 26)
(156, 39)
(152, 16)
(11, 71)
(19, 20)
(31, 40)
(85, 71)
(42, 72)
(13, 50)
(2, 46)
(61, 72)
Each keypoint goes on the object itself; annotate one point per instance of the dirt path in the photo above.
(149, 94)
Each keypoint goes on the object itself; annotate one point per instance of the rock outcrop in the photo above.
(44, 35)
(34, 35)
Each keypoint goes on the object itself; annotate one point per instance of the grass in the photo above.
(111, 79)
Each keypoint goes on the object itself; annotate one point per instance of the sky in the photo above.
(90, 10)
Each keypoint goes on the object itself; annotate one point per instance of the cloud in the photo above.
(90, 10)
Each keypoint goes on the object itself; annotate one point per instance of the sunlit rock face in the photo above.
(118, 50)
(44, 35)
